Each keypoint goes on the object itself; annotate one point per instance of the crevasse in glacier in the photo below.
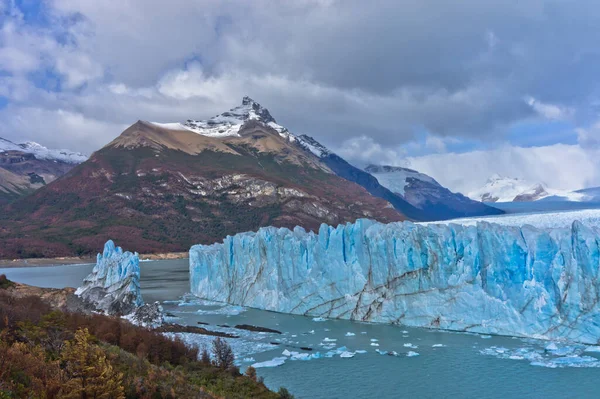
(486, 278)
(113, 286)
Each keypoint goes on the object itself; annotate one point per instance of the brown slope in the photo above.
(159, 190)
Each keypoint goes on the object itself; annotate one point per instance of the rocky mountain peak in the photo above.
(229, 123)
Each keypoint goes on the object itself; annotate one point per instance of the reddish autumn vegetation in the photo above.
(46, 353)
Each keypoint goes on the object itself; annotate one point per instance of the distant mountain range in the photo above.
(508, 189)
(164, 186)
(426, 194)
(28, 166)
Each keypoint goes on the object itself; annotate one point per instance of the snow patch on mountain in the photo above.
(397, 178)
(229, 123)
(42, 152)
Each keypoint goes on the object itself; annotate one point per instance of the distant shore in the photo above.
(79, 260)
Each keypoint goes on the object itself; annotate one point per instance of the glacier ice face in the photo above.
(486, 278)
(113, 286)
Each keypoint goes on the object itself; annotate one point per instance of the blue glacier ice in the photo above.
(487, 278)
(113, 287)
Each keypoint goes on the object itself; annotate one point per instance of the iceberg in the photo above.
(113, 287)
(486, 278)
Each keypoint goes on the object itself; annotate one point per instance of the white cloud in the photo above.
(54, 128)
(589, 138)
(549, 111)
(560, 166)
(363, 150)
(77, 68)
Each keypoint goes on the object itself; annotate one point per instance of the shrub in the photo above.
(251, 373)
(5, 282)
(284, 394)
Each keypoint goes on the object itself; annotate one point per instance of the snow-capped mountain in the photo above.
(425, 193)
(507, 189)
(26, 167)
(228, 124)
(42, 152)
(163, 187)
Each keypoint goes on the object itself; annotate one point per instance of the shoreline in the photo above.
(80, 260)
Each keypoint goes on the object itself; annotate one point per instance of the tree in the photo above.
(223, 354)
(88, 373)
(205, 357)
(284, 394)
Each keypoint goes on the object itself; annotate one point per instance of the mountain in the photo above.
(591, 194)
(163, 187)
(507, 189)
(349, 172)
(26, 167)
(426, 194)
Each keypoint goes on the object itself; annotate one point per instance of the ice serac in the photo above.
(113, 287)
(486, 278)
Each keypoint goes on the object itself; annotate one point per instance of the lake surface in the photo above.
(459, 366)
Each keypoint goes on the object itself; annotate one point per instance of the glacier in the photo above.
(113, 287)
(486, 278)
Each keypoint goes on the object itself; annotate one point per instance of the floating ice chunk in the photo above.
(404, 332)
(294, 336)
(438, 345)
(551, 346)
(363, 332)
(248, 359)
(374, 344)
(360, 351)
(350, 334)
(327, 339)
(300, 356)
(592, 349)
(409, 345)
(564, 351)
(311, 332)
(277, 361)
(347, 354)
(381, 352)
(319, 319)
(485, 336)
(374, 340)
(286, 353)
(412, 354)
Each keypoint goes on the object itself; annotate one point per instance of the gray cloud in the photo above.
(337, 70)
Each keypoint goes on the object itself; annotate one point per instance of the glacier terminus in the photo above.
(486, 278)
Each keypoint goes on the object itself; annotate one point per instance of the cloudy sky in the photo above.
(460, 90)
